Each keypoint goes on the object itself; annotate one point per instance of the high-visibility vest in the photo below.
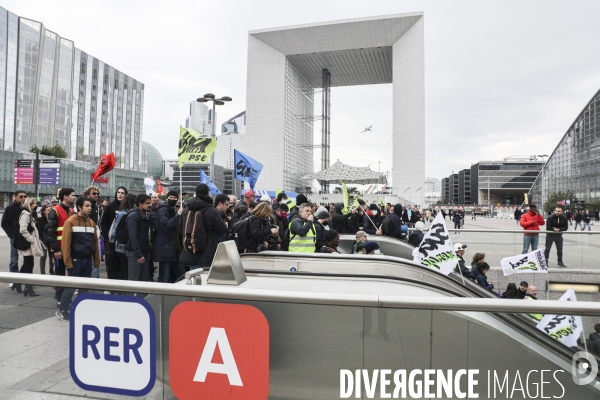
(62, 217)
(302, 244)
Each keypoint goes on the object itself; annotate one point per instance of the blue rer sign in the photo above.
(113, 344)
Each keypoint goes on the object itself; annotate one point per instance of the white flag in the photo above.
(564, 328)
(534, 262)
(436, 250)
(149, 184)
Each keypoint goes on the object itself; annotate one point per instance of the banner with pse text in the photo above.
(436, 249)
(534, 262)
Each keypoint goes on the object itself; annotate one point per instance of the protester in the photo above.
(206, 239)
(531, 293)
(371, 220)
(409, 217)
(280, 216)
(248, 198)
(555, 225)
(595, 340)
(517, 215)
(477, 258)
(153, 215)
(416, 237)
(480, 275)
(42, 224)
(93, 192)
(261, 231)
(522, 292)
(127, 205)
(372, 248)
(282, 198)
(459, 249)
(240, 213)
(510, 292)
(295, 211)
(397, 229)
(10, 225)
(359, 242)
(302, 231)
(80, 250)
(165, 246)
(27, 241)
(338, 221)
(321, 223)
(54, 230)
(531, 221)
(222, 204)
(138, 248)
(332, 240)
(112, 259)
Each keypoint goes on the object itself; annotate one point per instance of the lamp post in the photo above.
(543, 182)
(215, 102)
(488, 198)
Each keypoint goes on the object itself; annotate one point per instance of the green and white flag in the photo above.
(564, 328)
(436, 250)
(534, 262)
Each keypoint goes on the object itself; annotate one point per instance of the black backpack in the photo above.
(385, 226)
(122, 233)
(194, 236)
(239, 234)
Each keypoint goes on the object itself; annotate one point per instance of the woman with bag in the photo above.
(28, 241)
(261, 230)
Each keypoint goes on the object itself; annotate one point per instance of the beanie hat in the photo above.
(173, 193)
(301, 199)
(322, 213)
(283, 207)
(330, 235)
(373, 207)
(370, 246)
(202, 189)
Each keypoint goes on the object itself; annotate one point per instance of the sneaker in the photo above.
(63, 315)
(561, 265)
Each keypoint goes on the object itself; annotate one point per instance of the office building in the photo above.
(191, 178)
(65, 96)
(286, 65)
(574, 165)
(232, 138)
(199, 118)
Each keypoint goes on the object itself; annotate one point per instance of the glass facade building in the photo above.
(575, 163)
(54, 93)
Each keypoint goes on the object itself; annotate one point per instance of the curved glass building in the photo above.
(575, 163)
(152, 160)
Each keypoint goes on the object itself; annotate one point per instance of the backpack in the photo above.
(239, 234)
(194, 236)
(385, 226)
(122, 233)
(415, 239)
(112, 232)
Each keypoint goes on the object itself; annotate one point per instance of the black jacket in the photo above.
(482, 280)
(518, 214)
(10, 219)
(95, 214)
(320, 231)
(465, 271)
(554, 221)
(338, 222)
(108, 216)
(215, 229)
(260, 229)
(51, 227)
(301, 227)
(396, 222)
(165, 244)
(368, 226)
(414, 217)
(138, 227)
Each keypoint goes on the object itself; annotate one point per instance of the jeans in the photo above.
(517, 221)
(135, 270)
(530, 240)
(456, 225)
(13, 265)
(584, 224)
(59, 269)
(169, 271)
(82, 267)
(558, 239)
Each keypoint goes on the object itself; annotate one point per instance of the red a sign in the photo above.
(218, 351)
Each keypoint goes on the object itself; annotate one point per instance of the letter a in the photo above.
(217, 336)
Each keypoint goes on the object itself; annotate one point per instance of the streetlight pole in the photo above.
(543, 182)
(488, 198)
(215, 102)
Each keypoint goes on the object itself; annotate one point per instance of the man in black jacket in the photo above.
(409, 217)
(213, 224)
(10, 224)
(138, 249)
(517, 215)
(113, 265)
(556, 224)
(338, 222)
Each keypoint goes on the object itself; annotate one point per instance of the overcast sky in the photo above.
(502, 78)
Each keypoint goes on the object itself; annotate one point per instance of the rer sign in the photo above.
(112, 344)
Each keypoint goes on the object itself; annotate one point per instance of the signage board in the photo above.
(112, 344)
(50, 172)
(24, 171)
(230, 358)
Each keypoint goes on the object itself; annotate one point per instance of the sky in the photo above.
(502, 78)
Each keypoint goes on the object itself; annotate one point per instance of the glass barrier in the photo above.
(314, 351)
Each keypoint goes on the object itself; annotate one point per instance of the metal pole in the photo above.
(543, 198)
(211, 169)
(489, 202)
(36, 174)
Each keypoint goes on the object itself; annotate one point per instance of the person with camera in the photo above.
(261, 230)
(302, 231)
(531, 221)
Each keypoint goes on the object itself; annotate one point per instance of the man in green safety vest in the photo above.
(302, 231)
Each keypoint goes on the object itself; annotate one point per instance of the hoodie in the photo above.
(79, 240)
(110, 212)
(396, 222)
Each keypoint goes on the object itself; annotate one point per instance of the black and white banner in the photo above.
(533, 262)
(436, 250)
(564, 328)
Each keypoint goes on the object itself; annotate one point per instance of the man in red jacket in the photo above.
(531, 221)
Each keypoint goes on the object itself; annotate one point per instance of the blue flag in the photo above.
(211, 186)
(246, 168)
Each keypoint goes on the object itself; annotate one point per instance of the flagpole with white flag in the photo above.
(563, 328)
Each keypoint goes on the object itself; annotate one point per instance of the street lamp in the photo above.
(543, 183)
(216, 102)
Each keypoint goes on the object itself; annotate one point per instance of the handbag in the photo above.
(37, 247)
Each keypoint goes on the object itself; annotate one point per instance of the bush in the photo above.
(57, 151)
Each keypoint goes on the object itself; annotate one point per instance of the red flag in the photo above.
(159, 188)
(107, 163)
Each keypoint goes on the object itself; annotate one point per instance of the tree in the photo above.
(57, 151)
(554, 198)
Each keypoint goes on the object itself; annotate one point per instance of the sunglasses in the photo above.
(94, 193)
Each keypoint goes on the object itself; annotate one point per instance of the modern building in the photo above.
(152, 161)
(508, 181)
(199, 118)
(574, 165)
(464, 186)
(54, 93)
(286, 65)
(191, 178)
(232, 137)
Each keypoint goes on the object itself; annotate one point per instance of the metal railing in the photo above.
(320, 298)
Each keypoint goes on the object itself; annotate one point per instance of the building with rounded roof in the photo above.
(152, 160)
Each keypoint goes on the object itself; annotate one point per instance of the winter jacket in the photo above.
(54, 246)
(578, 217)
(95, 214)
(413, 216)
(153, 215)
(10, 219)
(396, 222)
(215, 228)
(26, 220)
(81, 242)
(320, 241)
(518, 214)
(138, 228)
(368, 225)
(464, 270)
(260, 229)
(108, 216)
(329, 250)
(482, 280)
(531, 222)
(457, 216)
(165, 244)
(415, 238)
(338, 222)
(353, 223)
(585, 217)
(554, 221)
